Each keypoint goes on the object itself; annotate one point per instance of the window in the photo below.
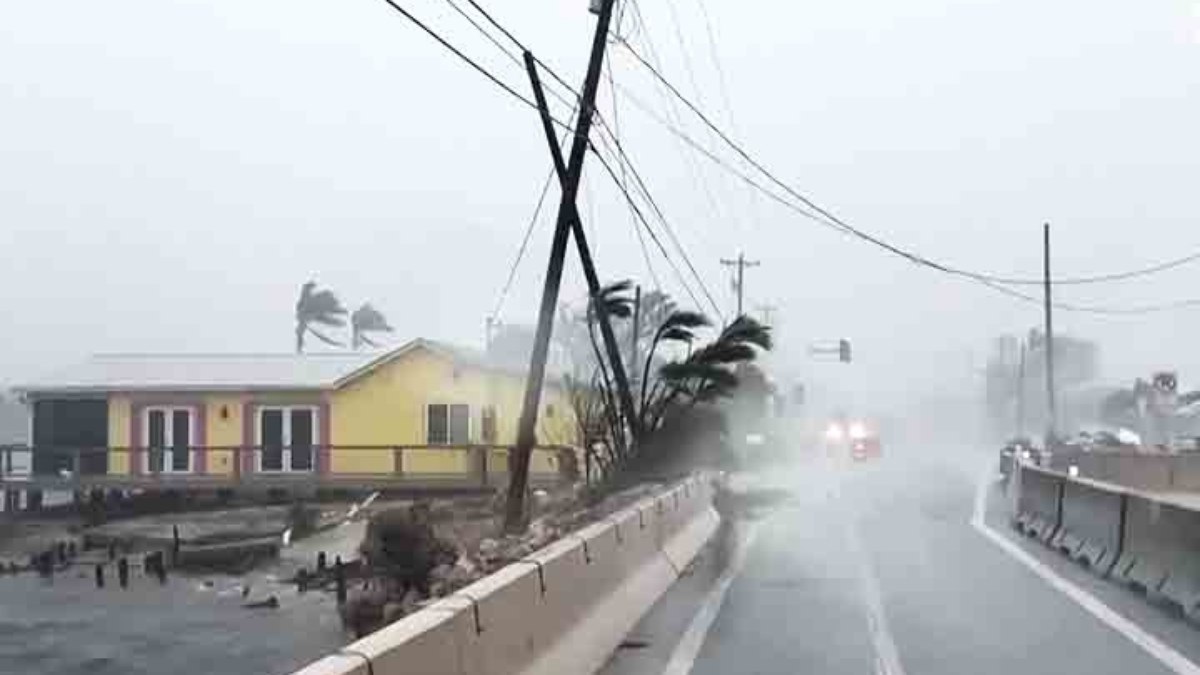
(287, 438)
(448, 424)
(168, 439)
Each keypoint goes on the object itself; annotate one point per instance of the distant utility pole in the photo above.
(1021, 391)
(767, 312)
(1052, 424)
(739, 282)
(569, 172)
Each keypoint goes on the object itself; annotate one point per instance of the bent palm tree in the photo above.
(317, 307)
(364, 320)
(708, 373)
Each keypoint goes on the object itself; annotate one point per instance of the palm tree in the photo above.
(317, 307)
(708, 373)
(364, 320)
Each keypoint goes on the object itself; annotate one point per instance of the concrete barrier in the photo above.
(564, 609)
(1039, 502)
(1149, 541)
(1090, 526)
(1162, 553)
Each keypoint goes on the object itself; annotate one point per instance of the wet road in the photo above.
(876, 568)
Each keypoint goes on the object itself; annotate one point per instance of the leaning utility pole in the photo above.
(739, 282)
(613, 351)
(1052, 423)
(633, 334)
(514, 513)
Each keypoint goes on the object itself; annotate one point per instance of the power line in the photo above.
(992, 284)
(521, 46)
(911, 256)
(645, 191)
(512, 270)
(504, 50)
(480, 69)
(642, 219)
(616, 134)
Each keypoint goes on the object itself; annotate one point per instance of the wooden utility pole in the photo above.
(633, 334)
(1052, 423)
(514, 513)
(739, 281)
(611, 348)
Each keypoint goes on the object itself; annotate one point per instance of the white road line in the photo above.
(683, 657)
(887, 656)
(1161, 651)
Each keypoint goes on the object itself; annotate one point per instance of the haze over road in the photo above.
(876, 568)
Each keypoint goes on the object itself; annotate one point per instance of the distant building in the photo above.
(291, 413)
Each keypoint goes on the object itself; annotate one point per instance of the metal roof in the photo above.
(239, 372)
(199, 372)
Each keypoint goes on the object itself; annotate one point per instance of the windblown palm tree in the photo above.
(317, 307)
(708, 373)
(364, 320)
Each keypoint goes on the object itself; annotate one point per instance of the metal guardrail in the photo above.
(85, 468)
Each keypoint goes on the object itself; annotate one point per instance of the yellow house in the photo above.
(423, 408)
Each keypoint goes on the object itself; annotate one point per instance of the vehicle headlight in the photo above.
(834, 432)
(858, 431)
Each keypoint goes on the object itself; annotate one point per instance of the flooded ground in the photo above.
(194, 624)
(69, 627)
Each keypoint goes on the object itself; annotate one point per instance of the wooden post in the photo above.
(339, 575)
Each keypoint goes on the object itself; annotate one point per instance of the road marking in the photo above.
(1156, 648)
(887, 656)
(683, 657)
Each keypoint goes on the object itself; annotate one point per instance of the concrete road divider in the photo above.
(1149, 541)
(1090, 525)
(1039, 502)
(1162, 553)
(564, 609)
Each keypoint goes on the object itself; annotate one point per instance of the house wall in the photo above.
(385, 407)
(389, 407)
(223, 421)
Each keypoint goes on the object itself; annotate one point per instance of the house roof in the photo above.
(237, 372)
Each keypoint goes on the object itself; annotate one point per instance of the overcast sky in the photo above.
(171, 171)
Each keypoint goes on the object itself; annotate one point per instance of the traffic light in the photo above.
(844, 351)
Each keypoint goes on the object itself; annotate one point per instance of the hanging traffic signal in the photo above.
(844, 351)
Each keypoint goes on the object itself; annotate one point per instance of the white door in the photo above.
(169, 434)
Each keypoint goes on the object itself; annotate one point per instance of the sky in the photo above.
(173, 170)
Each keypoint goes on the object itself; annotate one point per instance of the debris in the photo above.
(271, 602)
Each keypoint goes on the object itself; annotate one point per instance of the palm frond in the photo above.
(746, 329)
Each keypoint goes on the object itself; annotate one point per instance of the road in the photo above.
(877, 568)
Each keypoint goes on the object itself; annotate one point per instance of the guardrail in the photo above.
(1147, 540)
(564, 609)
(215, 467)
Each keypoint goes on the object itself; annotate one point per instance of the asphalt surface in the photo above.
(876, 568)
